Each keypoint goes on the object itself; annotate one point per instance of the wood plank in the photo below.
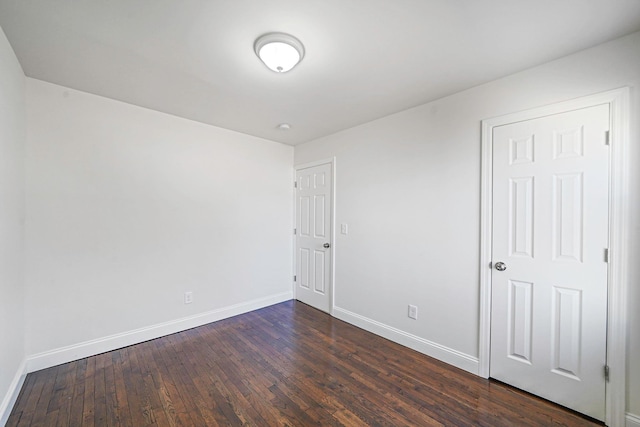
(88, 418)
(120, 389)
(166, 361)
(77, 398)
(35, 382)
(100, 392)
(40, 412)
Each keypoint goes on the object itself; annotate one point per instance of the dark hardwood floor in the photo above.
(288, 364)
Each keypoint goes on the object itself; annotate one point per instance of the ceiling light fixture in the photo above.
(279, 51)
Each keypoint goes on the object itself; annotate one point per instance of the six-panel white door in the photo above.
(313, 236)
(550, 230)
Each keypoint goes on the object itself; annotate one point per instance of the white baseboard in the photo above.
(633, 420)
(12, 394)
(437, 351)
(70, 353)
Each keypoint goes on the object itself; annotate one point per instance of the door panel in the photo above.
(313, 223)
(550, 225)
(520, 320)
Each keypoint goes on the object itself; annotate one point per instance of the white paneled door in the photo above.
(313, 236)
(549, 257)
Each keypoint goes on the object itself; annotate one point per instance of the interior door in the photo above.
(549, 277)
(313, 236)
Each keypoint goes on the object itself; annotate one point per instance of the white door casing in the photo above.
(314, 207)
(550, 231)
(618, 104)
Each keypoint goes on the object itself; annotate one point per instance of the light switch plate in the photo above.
(188, 297)
(413, 312)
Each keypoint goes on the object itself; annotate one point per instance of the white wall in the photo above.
(128, 208)
(12, 140)
(408, 186)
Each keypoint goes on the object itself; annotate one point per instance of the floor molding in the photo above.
(437, 351)
(632, 420)
(70, 353)
(13, 392)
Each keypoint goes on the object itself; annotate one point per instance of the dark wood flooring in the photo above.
(288, 364)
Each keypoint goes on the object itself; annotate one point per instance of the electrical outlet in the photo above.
(188, 297)
(413, 312)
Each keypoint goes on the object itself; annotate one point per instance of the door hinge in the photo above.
(295, 278)
(606, 373)
(606, 254)
(607, 140)
(295, 231)
(295, 184)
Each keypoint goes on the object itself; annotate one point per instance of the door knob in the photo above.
(500, 266)
(326, 245)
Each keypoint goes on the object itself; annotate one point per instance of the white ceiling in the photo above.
(364, 58)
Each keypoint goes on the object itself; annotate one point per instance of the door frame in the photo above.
(619, 169)
(332, 259)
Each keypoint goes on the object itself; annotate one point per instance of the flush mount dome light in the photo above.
(279, 51)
